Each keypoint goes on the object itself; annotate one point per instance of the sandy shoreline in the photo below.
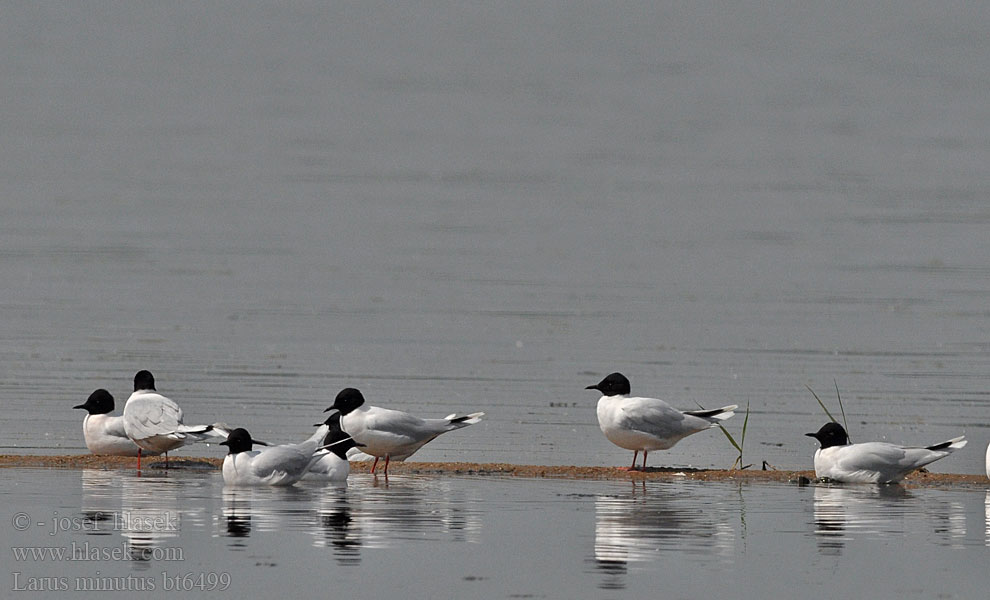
(89, 461)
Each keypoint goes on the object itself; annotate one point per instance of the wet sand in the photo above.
(921, 478)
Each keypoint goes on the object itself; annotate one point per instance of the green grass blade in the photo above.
(732, 440)
(820, 403)
(742, 440)
(844, 424)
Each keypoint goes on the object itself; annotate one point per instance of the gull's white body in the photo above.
(988, 461)
(396, 434)
(355, 455)
(876, 462)
(327, 466)
(105, 435)
(154, 422)
(646, 424)
(275, 465)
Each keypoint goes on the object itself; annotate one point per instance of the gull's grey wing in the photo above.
(151, 414)
(657, 418)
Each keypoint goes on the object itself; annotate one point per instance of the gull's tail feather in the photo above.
(317, 438)
(211, 434)
(194, 429)
(464, 420)
(215, 433)
(715, 414)
(222, 429)
(950, 445)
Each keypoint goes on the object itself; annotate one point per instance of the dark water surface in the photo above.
(488, 537)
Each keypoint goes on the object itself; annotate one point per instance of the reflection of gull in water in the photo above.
(248, 511)
(948, 522)
(383, 514)
(338, 529)
(840, 512)
(237, 514)
(99, 500)
(641, 526)
(411, 508)
(844, 512)
(987, 504)
(149, 514)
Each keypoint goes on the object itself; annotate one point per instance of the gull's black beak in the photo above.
(223, 443)
(592, 387)
(80, 406)
(331, 408)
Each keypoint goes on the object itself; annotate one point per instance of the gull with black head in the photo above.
(872, 462)
(104, 433)
(154, 422)
(644, 424)
(275, 465)
(390, 434)
(330, 464)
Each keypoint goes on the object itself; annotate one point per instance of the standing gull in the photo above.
(644, 424)
(392, 434)
(154, 422)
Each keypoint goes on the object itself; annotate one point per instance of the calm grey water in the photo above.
(489, 207)
(419, 537)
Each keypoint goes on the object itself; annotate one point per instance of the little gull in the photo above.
(331, 463)
(154, 422)
(872, 462)
(276, 465)
(104, 433)
(392, 434)
(647, 424)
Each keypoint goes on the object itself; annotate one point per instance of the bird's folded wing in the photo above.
(872, 456)
(651, 416)
(398, 423)
(280, 459)
(151, 415)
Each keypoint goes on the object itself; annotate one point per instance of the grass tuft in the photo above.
(737, 445)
